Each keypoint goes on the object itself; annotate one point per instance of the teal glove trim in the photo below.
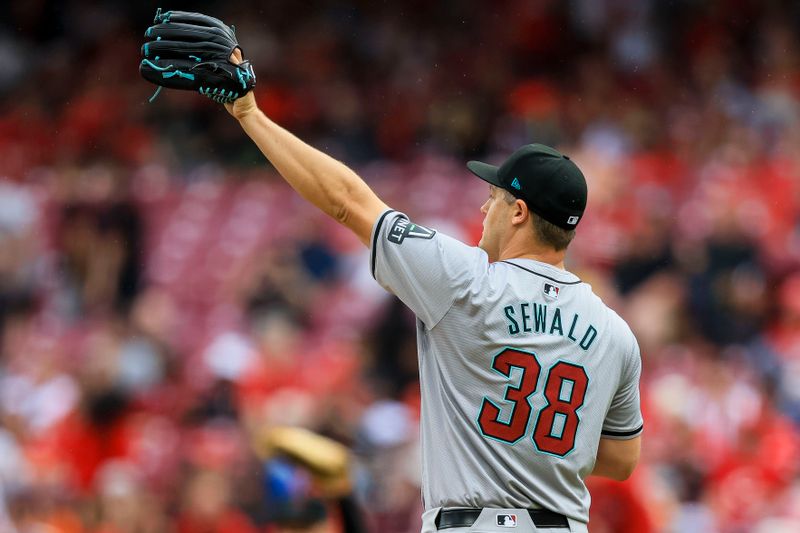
(155, 94)
(154, 66)
(178, 73)
(244, 76)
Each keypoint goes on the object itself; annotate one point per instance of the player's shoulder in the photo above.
(434, 252)
(621, 326)
(617, 325)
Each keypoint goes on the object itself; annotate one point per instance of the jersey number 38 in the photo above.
(556, 423)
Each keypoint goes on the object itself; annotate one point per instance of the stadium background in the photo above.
(164, 295)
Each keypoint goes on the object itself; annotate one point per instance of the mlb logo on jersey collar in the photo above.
(507, 520)
(551, 291)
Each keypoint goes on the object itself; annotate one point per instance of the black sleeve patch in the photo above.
(623, 433)
(403, 229)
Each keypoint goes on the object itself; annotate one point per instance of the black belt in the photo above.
(542, 518)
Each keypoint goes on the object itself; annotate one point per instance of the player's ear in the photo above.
(520, 212)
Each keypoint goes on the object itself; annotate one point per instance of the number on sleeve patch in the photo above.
(403, 229)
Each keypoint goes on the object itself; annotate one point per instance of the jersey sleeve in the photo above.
(426, 269)
(624, 417)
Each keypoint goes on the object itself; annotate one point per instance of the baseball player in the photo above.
(529, 382)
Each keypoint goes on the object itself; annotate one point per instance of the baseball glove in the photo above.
(192, 51)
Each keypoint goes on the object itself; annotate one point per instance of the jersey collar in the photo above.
(537, 268)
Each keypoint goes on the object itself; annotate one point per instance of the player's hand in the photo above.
(245, 105)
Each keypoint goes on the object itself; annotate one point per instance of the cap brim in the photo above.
(485, 172)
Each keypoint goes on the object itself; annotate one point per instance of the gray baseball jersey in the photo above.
(522, 370)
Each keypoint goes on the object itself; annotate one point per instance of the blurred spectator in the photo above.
(101, 245)
(207, 506)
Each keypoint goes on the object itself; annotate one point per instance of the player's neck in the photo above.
(535, 251)
(546, 258)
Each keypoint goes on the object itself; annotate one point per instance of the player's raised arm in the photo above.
(322, 180)
(192, 51)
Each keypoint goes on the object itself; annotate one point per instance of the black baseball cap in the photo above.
(551, 185)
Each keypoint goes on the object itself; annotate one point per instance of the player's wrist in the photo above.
(246, 114)
(243, 108)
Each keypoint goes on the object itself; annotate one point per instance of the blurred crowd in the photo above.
(164, 297)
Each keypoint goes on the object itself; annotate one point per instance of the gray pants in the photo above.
(487, 522)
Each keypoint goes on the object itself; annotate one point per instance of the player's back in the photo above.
(521, 377)
(522, 369)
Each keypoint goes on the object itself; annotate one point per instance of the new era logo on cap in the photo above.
(515, 184)
(507, 520)
(573, 220)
